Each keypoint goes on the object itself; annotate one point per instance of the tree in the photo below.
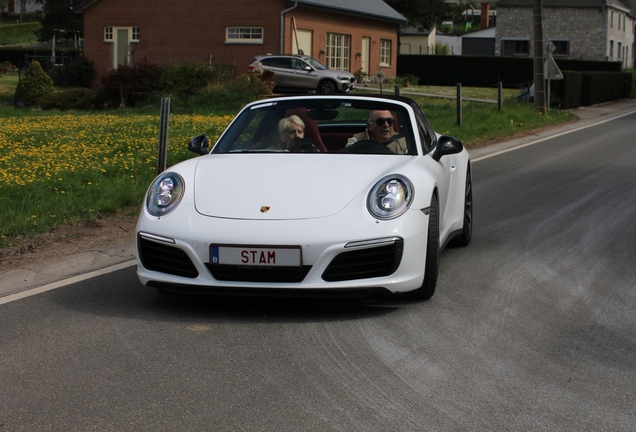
(33, 85)
(58, 15)
(421, 14)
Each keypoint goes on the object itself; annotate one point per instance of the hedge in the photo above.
(17, 30)
(485, 71)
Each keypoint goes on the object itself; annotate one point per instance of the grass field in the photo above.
(57, 168)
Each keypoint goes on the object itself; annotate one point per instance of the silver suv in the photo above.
(300, 72)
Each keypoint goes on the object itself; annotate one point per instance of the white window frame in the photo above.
(109, 33)
(134, 34)
(338, 51)
(244, 35)
(385, 52)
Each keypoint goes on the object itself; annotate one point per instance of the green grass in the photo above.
(8, 81)
(58, 168)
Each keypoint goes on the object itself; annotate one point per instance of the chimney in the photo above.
(485, 15)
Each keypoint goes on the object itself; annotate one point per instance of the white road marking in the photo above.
(549, 137)
(65, 282)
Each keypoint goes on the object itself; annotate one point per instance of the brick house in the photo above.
(579, 29)
(342, 34)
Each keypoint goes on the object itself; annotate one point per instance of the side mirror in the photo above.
(308, 68)
(447, 145)
(199, 145)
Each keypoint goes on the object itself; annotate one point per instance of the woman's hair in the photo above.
(284, 123)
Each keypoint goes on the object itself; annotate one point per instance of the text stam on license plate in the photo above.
(255, 256)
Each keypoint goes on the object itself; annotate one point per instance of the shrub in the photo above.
(7, 66)
(70, 99)
(33, 85)
(238, 91)
(442, 48)
(78, 73)
(185, 79)
(129, 85)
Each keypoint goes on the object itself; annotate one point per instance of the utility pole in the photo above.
(539, 83)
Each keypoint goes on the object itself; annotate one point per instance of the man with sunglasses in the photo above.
(380, 129)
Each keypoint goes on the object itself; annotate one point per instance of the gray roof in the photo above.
(80, 6)
(370, 8)
(414, 31)
(563, 3)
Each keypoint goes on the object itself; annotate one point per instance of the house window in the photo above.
(109, 32)
(611, 53)
(619, 50)
(244, 35)
(515, 47)
(385, 52)
(562, 47)
(612, 19)
(338, 51)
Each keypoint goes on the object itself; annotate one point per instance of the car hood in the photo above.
(284, 186)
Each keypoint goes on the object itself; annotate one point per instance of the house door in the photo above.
(122, 47)
(304, 41)
(366, 43)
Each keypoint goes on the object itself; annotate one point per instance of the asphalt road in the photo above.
(533, 327)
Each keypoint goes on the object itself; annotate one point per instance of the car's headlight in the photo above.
(165, 193)
(390, 197)
(343, 78)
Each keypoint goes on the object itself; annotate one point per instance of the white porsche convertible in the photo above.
(311, 195)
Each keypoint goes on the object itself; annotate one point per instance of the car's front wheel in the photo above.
(431, 266)
(326, 87)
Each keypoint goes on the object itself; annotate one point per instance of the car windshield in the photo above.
(315, 64)
(321, 126)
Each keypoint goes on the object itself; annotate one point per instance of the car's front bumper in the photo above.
(330, 246)
(347, 86)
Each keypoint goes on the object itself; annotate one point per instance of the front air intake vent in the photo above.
(365, 263)
(165, 259)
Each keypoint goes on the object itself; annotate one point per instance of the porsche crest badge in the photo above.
(264, 209)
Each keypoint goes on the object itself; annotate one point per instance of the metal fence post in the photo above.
(164, 121)
(459, 104)
(397, 90)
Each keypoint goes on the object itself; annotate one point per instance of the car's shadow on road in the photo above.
(120, 294)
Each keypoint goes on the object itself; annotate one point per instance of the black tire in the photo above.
(326, 87)
(431, 266)
(467, 231)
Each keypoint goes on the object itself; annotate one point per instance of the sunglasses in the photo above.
(381, 120)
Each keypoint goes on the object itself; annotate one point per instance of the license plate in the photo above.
(256, 256)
